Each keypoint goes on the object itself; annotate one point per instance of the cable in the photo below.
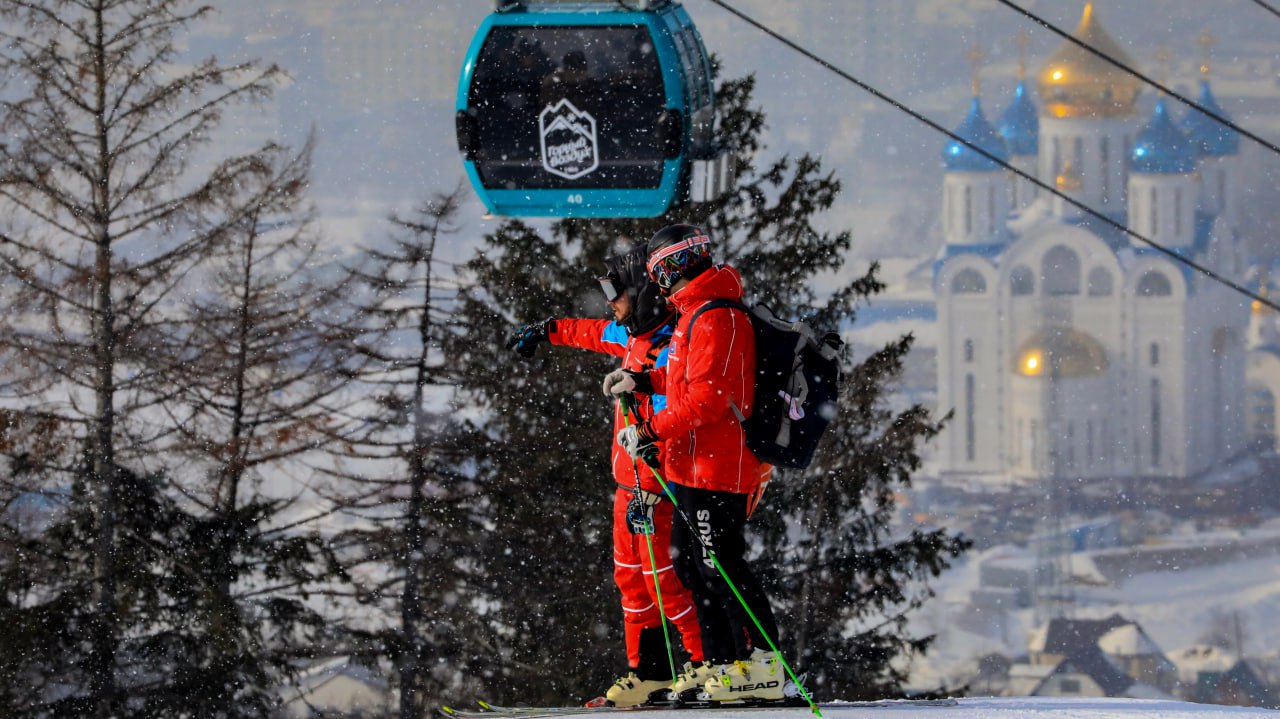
(1033, 180)
(1267, 7)
(1159, 86)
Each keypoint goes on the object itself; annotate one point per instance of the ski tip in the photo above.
(484, 705)
(448, 711)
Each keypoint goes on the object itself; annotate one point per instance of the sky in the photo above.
(376, 80)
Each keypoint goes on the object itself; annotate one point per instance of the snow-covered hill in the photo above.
(995, 708)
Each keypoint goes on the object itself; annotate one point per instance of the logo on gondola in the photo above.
(568, 141)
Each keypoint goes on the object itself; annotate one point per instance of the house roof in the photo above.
(1069, 636)
(1128, 641)
(1092, 663)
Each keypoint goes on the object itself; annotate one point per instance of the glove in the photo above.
(639, 516)
(637, 441)
(622, 381)
(525, 340)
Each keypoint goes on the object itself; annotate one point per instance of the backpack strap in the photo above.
(716, 304)
(655, 349)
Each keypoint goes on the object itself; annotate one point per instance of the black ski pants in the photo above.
(720, 519)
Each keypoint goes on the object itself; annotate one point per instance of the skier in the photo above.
(639, 334)
(709, 383)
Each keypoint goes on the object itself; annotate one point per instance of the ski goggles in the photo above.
(668, 264)
(611, 287)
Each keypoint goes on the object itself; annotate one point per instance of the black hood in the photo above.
(648, 308)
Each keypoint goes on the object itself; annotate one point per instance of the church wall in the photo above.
(1217, 178)
(968, 362)
(973, 204)
(1097, 149)
(1162, 208)
(1159, 375)
(1021, 190)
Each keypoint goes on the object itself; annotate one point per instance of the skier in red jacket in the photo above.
(709, 383)
(639, 335)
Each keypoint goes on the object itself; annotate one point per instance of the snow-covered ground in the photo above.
(992, 708)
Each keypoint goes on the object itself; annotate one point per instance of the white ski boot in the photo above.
(689, 682)
(759, 678)
(631, 690)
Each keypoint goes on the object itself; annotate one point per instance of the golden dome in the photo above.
(1065, 351)
(1077, 83)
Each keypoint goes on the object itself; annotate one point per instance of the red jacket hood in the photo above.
(721, 281)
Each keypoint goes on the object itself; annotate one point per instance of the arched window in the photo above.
(1060, 271)
(1099, 282)
(1154, 284)
(968, 282)
(1022, 281)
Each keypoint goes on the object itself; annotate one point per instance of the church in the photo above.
(1066, 347)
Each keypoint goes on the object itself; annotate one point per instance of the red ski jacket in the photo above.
(704, 442)
(639, 354)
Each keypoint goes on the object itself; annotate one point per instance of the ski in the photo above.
(494, 711)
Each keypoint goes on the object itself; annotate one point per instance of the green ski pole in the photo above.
(734, 588)
(625, 402)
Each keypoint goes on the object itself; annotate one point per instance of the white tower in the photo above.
(975, 195)
(1162, 185)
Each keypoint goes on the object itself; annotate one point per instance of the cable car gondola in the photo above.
(584, 109)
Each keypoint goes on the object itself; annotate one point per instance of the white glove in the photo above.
(618, 382)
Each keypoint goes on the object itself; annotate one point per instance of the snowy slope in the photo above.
(992, 708)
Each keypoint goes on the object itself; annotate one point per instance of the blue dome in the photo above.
(1209, 136)
(1161, 148)
(958, 157)
(1020, 124)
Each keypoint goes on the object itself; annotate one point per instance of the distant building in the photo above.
(1109, 657)
(1238, 686)
(337, 687)
(1066, 347)
(1212, 675)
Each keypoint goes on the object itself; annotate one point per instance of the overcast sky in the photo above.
(376, 79)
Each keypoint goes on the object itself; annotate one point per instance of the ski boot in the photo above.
(631, 690)
(687, 684)
(759, 678)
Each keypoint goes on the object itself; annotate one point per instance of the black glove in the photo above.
(526, 339)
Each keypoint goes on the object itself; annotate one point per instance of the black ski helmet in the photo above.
(678, 252)
(648, 310)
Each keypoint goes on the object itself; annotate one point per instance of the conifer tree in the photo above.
(547, 487)
(416, 523)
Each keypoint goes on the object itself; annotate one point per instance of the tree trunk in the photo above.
(103, 655)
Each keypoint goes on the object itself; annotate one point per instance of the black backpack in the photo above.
(797, 386)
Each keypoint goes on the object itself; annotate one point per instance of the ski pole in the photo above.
(725, 576)
(624, 402)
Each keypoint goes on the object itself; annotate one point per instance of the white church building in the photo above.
(1067, 347)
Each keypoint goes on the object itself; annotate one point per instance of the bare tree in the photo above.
(263, 361)
(110, 200)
